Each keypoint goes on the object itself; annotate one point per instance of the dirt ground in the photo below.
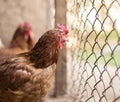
(59, 99)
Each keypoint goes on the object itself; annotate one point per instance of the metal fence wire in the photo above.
(94, 50)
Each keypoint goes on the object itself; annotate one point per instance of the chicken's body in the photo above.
(23, 83)
(26, 77)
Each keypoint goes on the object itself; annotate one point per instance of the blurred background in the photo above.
(89, 66)
(40, 14)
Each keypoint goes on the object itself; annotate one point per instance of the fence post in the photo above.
(60, 77)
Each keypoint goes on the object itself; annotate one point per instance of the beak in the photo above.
(26, 37)
(31, 34)
(67, 40)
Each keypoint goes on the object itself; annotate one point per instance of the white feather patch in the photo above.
(23, 72)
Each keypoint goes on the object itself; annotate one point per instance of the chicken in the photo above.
(26, 77)
(22, 40)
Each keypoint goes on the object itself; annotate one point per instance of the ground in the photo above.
(58, 99)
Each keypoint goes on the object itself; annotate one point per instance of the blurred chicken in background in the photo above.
(22, 41)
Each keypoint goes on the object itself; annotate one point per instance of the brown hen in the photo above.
(26, 77)
(23, 40)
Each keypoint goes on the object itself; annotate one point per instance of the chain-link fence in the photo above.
(94, 50)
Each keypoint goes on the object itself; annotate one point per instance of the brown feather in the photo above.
(46, 50)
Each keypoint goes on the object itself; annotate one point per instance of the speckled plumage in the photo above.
(26, 77)
(21, 82)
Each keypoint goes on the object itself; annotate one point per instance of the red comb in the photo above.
(63, 27)
(26, 24)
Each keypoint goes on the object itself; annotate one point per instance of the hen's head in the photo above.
(23, 36)
(63, 35)
(26, 29)
(46, 50)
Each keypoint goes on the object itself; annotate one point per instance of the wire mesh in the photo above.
(94, 50)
